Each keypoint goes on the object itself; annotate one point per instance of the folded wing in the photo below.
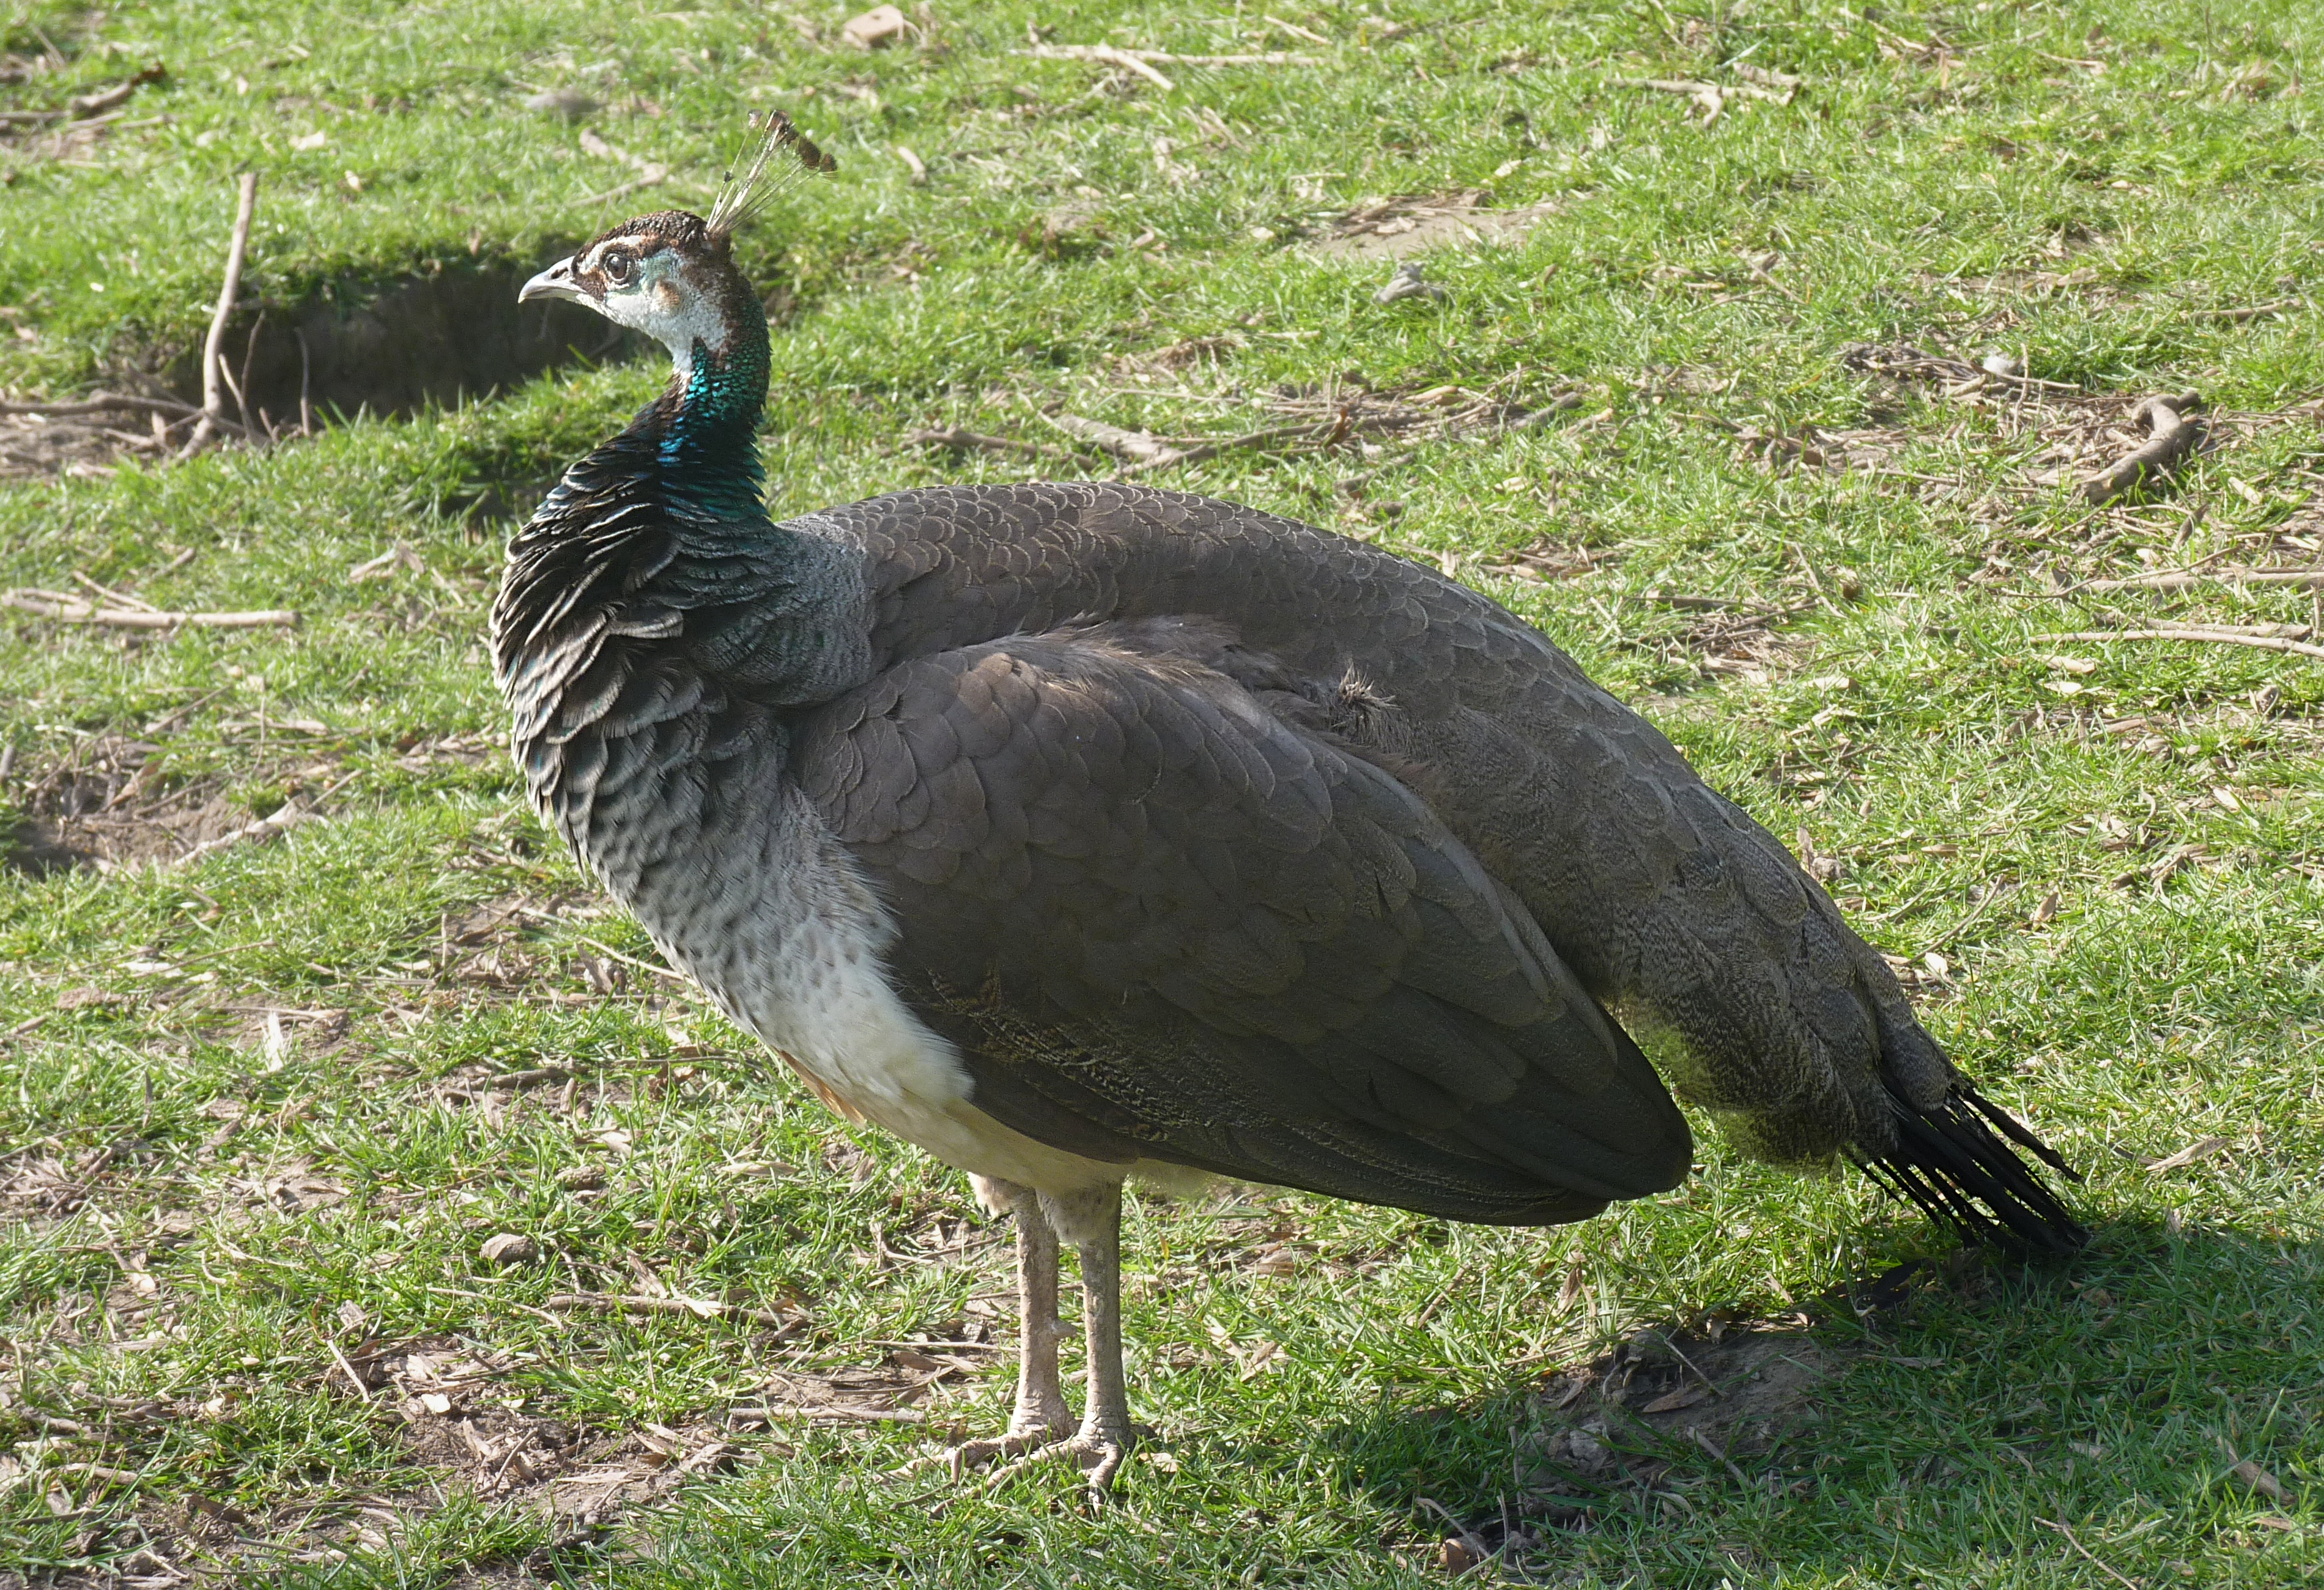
(1159, 921)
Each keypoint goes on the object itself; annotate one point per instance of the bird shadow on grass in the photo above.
(1951, 1413)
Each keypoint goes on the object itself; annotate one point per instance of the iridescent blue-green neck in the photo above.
(705, 425)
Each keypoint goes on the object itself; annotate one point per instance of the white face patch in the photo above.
(650, 292)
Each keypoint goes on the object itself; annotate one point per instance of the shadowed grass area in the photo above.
(260, 1110)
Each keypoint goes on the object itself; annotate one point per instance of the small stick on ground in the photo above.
(106, 403)
(2085, 1550)
(695, 1307)
(2248, 312)
(2173, 436)
(961, 439)
(214, 345)
(1110, 56)
(2299, 579)
(66, 610)
(2216, 637)
(280, 820)
(1258, 438)
(1131, 446)
(1477, 1552)
(1710, 1384)
(1708, 1444)
(355, 1379)
(774, 1411)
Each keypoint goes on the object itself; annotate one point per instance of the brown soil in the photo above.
(426, 339)
(105, 806)
(99, 807)
(440, 338)
(1666, 1409)
(107, 803)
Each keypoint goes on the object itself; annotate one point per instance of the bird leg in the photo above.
(1041, 1409)
(1091, 1219)
(1041, 1414)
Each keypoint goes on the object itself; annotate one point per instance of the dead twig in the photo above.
(106, 403)
(1258, 438)
(697, 1307)
(1565, 403)
(653, 179)
(280, 820)
(774, 1411)
(1711, 97)
(1705, 1442)
(2248, 312)
(961, 439)
(2173, 436)
(68, 610)
(1106, 53)
(2078, 1546)
(630, 960)
(1476, 1548)
(355, 1379)
(1131, 446)
(1138, 59)
(214, 344)
(2216, 636)
(83, 107)
(2299, 579)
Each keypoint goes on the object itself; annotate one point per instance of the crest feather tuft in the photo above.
(766, 175)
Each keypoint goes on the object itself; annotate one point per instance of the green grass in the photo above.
(2126, 914)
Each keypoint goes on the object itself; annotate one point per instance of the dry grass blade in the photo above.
(1142, 60)
(2186, 1156)
(2084, 1551)
(108, 403)
(282, 820)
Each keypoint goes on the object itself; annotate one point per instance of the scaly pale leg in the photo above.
(1041, 1414)
(1092, 1220)
(1041, 1409)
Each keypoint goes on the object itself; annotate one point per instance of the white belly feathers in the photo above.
(799, 965)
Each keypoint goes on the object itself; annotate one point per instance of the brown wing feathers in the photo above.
(1652, 888)
(1160, 922)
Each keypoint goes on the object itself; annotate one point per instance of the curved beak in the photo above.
(556, 283)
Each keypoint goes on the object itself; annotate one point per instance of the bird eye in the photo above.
(619, 265)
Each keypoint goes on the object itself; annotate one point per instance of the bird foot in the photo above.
(958, 1460)
(1098, 1454)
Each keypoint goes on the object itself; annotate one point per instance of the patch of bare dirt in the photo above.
(107, 803)
(450, 1398)
(1408, 223)
(1614, 1438)
(448, 332)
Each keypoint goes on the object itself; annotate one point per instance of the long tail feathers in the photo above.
(1949, 1161)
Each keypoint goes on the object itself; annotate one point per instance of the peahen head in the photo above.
(671, 274)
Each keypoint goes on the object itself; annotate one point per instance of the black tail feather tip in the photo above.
(1950, 1162)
